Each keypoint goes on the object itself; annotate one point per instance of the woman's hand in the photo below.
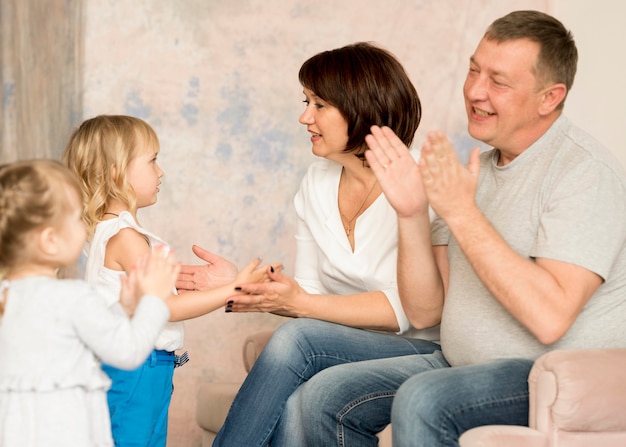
(280, 296)
(216, 272)
(396, 171)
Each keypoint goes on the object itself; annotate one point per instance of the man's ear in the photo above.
(551, 98)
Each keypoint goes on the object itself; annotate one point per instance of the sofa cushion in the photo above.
(214, 401)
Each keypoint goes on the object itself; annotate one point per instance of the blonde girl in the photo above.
(54, 331)
(115, 159)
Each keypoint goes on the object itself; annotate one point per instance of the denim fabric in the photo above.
(299, 350)
(348, 404)
(432, 403)
(435, 407)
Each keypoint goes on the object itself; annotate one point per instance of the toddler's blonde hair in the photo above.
(33, 194)
(99, 152)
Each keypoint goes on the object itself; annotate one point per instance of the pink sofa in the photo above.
(577, 399)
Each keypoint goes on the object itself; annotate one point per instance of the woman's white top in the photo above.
(325, 263)
(108, 280)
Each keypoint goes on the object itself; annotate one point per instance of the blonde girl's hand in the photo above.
(157, 273)
(253, 272)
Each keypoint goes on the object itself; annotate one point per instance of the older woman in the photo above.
(344, 295)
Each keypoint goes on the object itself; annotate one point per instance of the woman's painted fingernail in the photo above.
(238, 288)
(271, 269)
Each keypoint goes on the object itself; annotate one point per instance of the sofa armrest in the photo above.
(252, 347)
(213, 402)
(503, 435)
(579, 390)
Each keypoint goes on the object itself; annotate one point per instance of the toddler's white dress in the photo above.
(53, 335)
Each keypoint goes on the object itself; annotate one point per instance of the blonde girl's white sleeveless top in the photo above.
(107, 281)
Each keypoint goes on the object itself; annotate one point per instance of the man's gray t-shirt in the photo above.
(564, 198)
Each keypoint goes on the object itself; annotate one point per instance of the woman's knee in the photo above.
(291, 341)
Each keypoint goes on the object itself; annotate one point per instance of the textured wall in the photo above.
(218, 81)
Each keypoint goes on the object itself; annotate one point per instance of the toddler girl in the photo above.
(54, 331)
(115, 158)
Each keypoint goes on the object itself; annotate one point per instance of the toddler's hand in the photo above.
(129, 297)
(156, 274)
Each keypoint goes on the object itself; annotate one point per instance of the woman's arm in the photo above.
(284, 296)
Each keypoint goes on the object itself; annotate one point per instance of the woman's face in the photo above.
(328, 128)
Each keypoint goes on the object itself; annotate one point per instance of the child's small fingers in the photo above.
(141, 262)
(171, 257)
(175, 270)
(253, 264)
(276, 267)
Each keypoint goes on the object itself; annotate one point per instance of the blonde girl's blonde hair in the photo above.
(33, 194)
(99, 152)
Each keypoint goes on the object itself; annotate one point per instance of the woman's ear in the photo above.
(551, 98)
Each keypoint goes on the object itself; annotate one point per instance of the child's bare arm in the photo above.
(196, 303)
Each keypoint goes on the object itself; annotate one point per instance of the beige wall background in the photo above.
(218, 82)
(598, 95)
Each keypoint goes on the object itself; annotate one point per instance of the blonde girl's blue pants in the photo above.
(139, 401)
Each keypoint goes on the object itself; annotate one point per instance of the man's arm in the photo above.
(545, 295)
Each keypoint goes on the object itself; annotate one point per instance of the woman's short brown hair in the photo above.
(369, 87)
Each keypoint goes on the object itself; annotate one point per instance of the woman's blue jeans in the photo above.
(298, 351)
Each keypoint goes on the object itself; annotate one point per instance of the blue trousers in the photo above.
(298, 352)
(139, 401)
(428, 403)
(435, 406)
